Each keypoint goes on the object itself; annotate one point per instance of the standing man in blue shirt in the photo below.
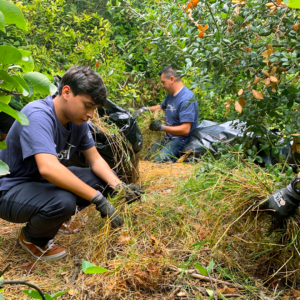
(181, 116)
(40, 191)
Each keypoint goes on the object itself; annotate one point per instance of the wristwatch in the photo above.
(296, 185)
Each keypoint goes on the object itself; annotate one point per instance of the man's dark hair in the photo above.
(84, 80)
(169, 71)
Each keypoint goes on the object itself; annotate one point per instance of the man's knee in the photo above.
(62, 205)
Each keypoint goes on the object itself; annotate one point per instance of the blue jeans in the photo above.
(169, 149)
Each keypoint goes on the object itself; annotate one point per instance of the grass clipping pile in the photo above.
(123, 161)
(205, 214)
(149, 136)
(242, 240)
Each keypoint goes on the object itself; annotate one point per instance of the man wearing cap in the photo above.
(181, 116)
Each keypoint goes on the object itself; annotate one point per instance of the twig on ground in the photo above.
(198, 276)
(5, 270)
(212, 286)
(24, 282)
(173, 293)
(75, 274)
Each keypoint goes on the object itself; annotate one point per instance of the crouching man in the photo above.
(181, 116)
(40, 190)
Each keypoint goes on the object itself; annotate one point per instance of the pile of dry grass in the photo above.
(125, 161)
(149, 136)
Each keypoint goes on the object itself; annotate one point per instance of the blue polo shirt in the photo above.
(181, 108)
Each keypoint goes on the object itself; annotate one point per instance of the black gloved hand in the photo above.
(107, 210)
(156, 126)
(132, 192)
(281, 204)
(139, 112)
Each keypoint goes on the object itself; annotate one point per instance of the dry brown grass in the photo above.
(149, 137)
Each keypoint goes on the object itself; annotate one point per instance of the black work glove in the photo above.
(139, 112)
(156, 126)
(132, 192)
(107, 210)
(281, 204)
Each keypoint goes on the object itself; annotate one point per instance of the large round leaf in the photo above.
(39, 82)
(15, 85)
(13, 14)
(2, 21)
(26, 62)
(9, 55)
(5, 98)
(23, 83)
(15, 114)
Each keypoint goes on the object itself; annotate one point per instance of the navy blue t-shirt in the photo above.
(179, 109)
(44, 134)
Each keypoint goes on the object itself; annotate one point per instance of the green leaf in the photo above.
(211, 294)
(110, 72)
(188, 63)
(289, 128)
(15, 114)
(225, 8)
(5, 98)
(210, 266)
(89, 268)
(26, 62)
(39, 82)
(23, 118)
(1, 297)
(13, 14)
(36, 294)
(3, 145)
(23, 84)
(201, 269)
(15, 85)
(4, 169)
(9, 55)
(199, 244)
(58, 294)
(53, 88)
(2, 21)
(1, 278)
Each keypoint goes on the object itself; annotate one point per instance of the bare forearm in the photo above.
(178, 130)
(154, 108)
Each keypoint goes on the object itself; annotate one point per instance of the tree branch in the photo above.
(24, 282)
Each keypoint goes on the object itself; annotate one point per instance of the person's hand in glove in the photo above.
(139, 112)
(284, 202)
(132, 192)
(107, 210)
(156, 126)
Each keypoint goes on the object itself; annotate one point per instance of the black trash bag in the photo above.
(129, 128)
(127, 124)
(208, 132)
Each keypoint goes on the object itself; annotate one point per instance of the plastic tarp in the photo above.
(209, 132)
